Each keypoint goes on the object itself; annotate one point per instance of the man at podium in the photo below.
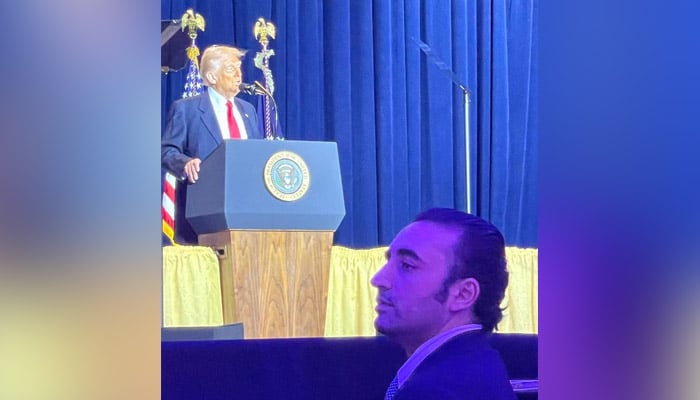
(198, 124)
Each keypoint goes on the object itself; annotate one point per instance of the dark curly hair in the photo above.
(479, 254)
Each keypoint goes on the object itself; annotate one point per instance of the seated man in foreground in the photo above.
(439, 296)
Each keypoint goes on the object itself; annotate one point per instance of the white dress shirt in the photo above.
(219, 103)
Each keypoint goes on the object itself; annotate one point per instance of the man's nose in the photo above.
(381, 278)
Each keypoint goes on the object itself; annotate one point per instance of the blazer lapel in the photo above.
(209, 118)
(246, 118)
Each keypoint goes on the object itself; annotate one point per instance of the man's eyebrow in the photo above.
(409, 253)
(405, 253)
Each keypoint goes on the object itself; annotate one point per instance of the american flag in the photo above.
(193, 83)
(167, 208)
(193, 87)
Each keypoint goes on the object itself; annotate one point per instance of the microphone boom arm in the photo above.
(257, 89)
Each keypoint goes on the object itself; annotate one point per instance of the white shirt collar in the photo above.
(427, 348)
(219, 103)
(217, 98)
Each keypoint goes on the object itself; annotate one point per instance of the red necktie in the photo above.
(232, 125)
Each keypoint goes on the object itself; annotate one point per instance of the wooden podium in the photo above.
(269, 210)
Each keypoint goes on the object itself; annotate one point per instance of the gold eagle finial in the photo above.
(262, 30)
(192, 21)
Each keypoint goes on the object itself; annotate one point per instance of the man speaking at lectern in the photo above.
(197, 125)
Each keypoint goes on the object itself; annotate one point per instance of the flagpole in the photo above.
(193, 86)
(261, 31)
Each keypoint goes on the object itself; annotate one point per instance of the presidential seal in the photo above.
(286, 176)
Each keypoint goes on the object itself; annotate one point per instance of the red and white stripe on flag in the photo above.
(168, 206)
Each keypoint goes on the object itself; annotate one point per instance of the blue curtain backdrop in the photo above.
(350, 71)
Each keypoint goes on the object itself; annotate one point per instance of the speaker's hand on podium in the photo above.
(192, 170)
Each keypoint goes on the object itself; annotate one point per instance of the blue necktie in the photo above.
(392, 389)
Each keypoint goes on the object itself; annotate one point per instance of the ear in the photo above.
(463, 294)
(211, 78)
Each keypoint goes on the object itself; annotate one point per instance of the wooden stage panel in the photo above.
(275, 282)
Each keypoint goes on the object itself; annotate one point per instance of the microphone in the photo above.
(254, 90)
(258, 89)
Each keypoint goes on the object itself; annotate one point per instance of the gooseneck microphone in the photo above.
(257, 89)
(253, 90)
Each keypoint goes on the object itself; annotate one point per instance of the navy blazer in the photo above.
(192, 131)
(464, 367)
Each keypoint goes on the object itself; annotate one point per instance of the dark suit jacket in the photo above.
(464, 367)
(193, 132)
